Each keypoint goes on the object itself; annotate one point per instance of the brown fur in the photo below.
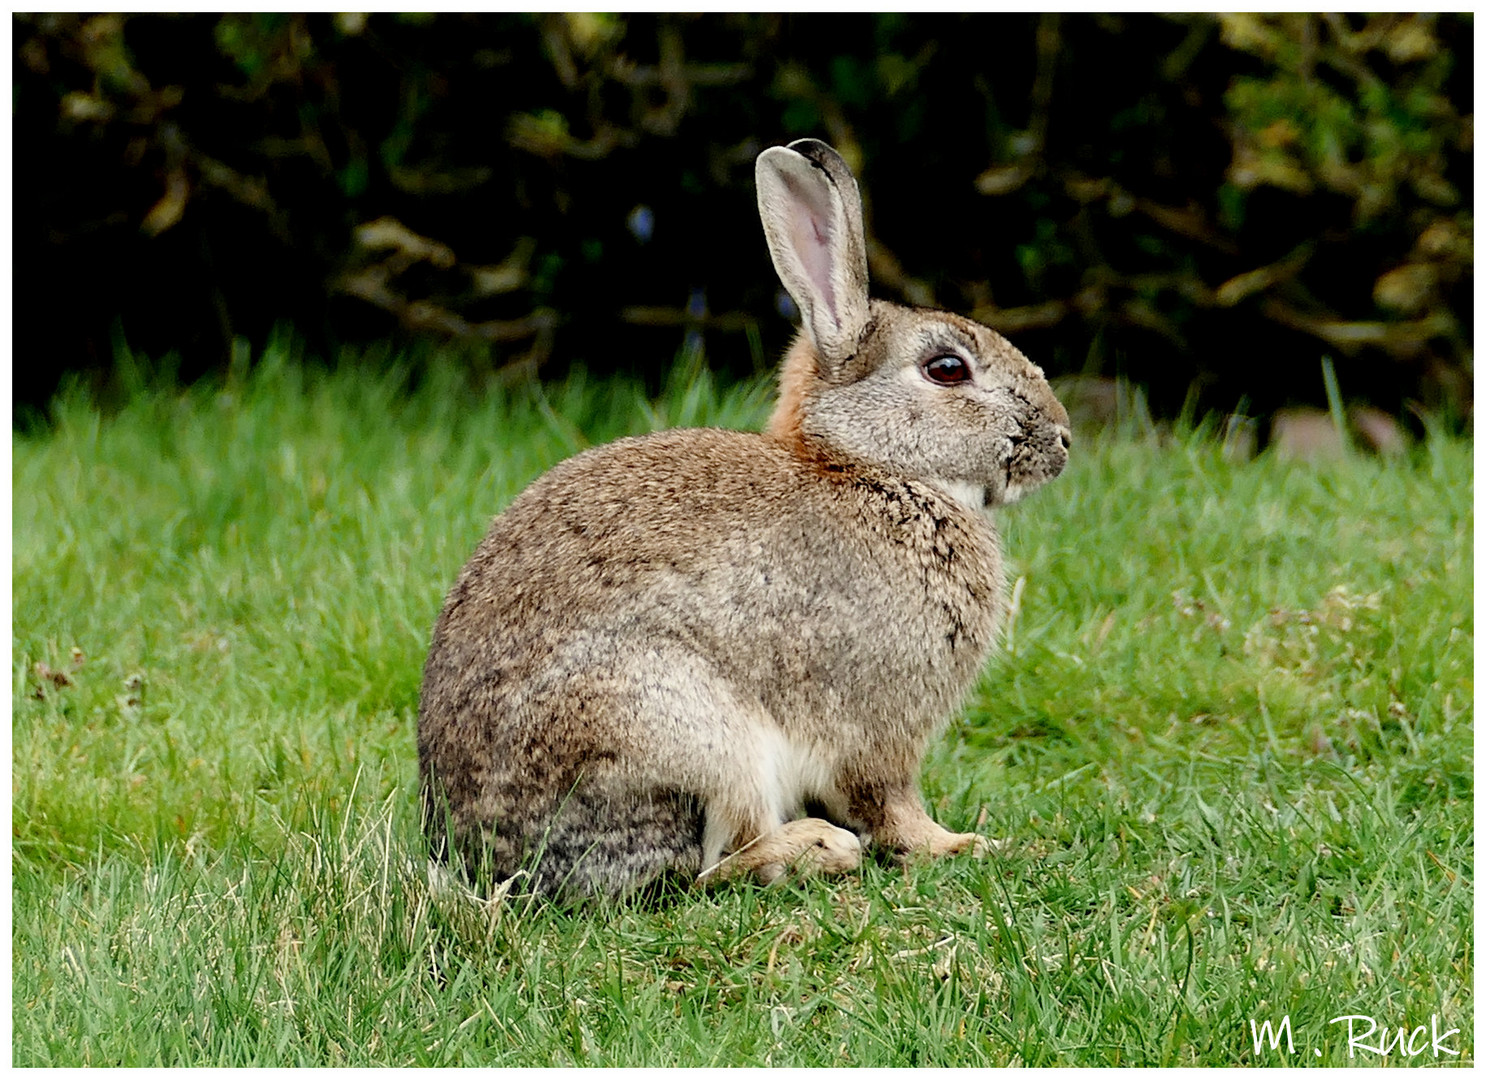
(665, 648)
(796, 375)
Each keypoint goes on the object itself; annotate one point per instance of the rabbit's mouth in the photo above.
(1035, 461)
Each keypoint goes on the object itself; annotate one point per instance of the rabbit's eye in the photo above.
(947, 370)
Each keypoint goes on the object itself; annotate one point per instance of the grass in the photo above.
(1229, 743)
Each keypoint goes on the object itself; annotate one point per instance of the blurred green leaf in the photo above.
(1080, 182)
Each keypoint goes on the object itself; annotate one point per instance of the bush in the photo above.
(1204, 204)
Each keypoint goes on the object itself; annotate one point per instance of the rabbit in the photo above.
(668, 649)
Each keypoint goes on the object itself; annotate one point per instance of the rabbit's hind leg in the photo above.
(806, 846)
(598, 843)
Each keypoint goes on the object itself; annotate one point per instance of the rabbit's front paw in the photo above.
(911, 833)
(967, 843)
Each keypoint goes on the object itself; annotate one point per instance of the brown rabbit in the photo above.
(668, 648)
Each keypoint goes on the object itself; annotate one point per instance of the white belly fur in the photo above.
(786, 775)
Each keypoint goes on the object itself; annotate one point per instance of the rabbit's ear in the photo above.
(812, 215)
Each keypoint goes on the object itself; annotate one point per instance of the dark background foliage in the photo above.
(1205, 205)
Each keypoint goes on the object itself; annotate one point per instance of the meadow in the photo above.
(1228, 745)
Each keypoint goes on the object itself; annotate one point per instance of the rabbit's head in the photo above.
(919, 391)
